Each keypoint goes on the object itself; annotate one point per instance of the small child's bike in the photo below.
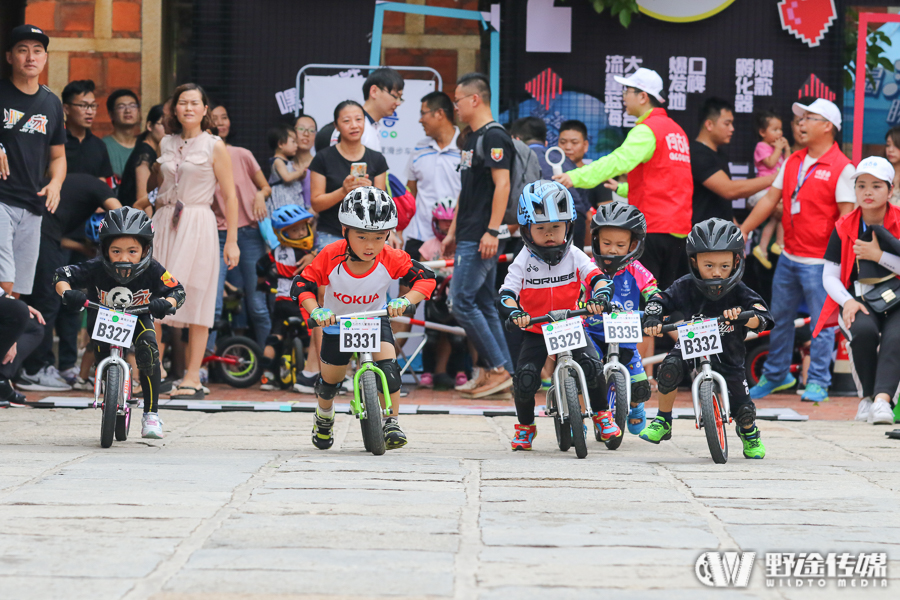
(700, 339)
(616, 375)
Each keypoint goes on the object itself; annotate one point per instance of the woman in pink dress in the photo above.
(192, 161)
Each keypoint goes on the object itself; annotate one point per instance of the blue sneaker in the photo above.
(814, 393)
(766, 387)
(637, 412)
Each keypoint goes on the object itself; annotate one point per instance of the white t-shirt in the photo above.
(434, 171)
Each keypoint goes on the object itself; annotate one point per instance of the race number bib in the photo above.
(562, 336)
(622, 328)
(114, 328)
(360, 335)
(699, 339)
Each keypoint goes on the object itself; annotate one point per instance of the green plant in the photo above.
(876, 46)
(623, 9)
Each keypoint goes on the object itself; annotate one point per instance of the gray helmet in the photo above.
(622, 216)
(126, 222)
(716, 235)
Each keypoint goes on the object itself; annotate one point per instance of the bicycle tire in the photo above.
(111, 393)
(563, 435)
(372, 426)
(123, 424)
(297, 360)
(617, 394)
(576, 418)
(712, 422)
(249, 370)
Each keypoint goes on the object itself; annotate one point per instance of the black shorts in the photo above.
(735, 380)
(284, 309)
(664, 256)
(331, 344)
(412, 248)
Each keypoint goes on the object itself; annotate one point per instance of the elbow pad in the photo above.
(504, 310)
(417, 272)
(299, 286)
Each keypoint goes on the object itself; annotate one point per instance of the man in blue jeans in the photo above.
(475, 230)
(816, 189)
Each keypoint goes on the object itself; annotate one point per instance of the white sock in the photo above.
(309, 373)
(325, 414)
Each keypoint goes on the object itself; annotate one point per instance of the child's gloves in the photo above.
(653, 314)
(160, 307)
(400, 303)
(74, 299)
(321, 315)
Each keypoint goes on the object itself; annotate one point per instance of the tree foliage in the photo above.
(876, 47)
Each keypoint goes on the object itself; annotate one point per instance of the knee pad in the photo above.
(391, 371)
(670, 374)
(526, 382)
(640, 391)
(146, 357)
(746, 415)
(326, 391)
(592, 367)
(273, 340)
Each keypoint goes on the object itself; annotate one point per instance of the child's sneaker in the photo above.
(426, 380)
(753, 446)
(525, 435)
(658, 430)
(151, 426)
(606, 425)
(775, 249)
(323, 432)
(637, 412)
(762, 257)
(461, 379)
(393, 436)
(267, 382)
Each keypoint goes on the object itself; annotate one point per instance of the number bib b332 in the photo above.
(114, 328)
(622, 328)
(564, 335)
(360, 335)
(699, 339)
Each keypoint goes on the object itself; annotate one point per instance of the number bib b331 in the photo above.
(360, 335)
(564, 335)
(114, 328)
(700, 339)
(622, 328)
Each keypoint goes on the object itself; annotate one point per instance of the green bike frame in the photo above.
(356, 404)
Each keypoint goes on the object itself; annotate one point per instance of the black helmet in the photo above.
(126, 222)
(623, 216)
(716, 235)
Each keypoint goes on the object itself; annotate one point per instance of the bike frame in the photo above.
(367, 363)
(115, 357)
(613, 364)
(565, 360)
(707, 374)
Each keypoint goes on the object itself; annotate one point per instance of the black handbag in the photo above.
(884, 297)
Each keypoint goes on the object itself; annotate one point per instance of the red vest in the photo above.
(662, 188)
(806, 234)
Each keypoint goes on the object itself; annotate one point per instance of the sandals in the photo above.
(194, 393)
(637, 412)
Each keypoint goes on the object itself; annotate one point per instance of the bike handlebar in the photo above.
(744, 316)
(409, 312)
(140, 310)
(552, 316)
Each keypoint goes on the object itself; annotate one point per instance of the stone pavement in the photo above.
(240, 506)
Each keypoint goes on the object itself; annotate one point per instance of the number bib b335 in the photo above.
(700, 339)
(360, 335)
(622, 328)
(114, 328)
(564, 335)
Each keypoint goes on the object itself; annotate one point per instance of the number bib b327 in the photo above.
(700, 339)
(564, 335)
(360, 335)
(622, 328)
(114, 328)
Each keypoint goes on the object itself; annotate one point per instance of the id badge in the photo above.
(795, 204)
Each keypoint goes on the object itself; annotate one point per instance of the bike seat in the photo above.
(295, 322)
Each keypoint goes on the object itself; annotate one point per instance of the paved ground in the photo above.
(239, 505)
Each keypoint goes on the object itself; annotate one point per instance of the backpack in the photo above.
(524, 169)
(403, 199)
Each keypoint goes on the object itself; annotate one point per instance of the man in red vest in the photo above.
(656, 155)
(816, 189)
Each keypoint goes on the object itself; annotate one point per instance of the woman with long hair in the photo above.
(134, 189)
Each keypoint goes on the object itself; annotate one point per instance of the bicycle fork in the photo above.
(613, 364)
(367, 363)
(100, 371)
(565, 361)
(707, 374)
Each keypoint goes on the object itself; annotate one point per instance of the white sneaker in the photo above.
(477, 374)
(151, 426)
(70, 375)
(45, 380)
(881, 413)
(85, 385)
(864, 410)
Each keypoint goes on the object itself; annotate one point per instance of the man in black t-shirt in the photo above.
(713, 188)
(31, 144)
(85, 152)
(475, 230)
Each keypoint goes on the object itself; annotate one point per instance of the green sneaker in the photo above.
(658, 430)
(753, 446)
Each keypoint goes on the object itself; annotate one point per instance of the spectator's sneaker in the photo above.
(881, 413)
(766, 387)
(546, 384)
(393, 436)
(45, 380)
(762, 256)
(70, 375)
(525, 435)
(477, 375)
(323, 432)
(460, 379)
(85, 385)
(426, 380)
(753, 446)
(864, 410)
(606, 425)
(658, 430)
(495, 380)
(8, 394)
(813, 393)
(306, 385)
(267, 382)
(443, 381)
(151, 426)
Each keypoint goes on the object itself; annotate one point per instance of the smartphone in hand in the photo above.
(358, 170)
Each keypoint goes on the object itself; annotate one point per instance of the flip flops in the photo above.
(637, 412)
(180, 393)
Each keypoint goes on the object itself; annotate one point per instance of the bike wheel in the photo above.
(372, 426)
(576, 419)
(123, 424)
(563, 435)
(248, 366)
(755, 361)
(297, 359)
(111, 394)
(712, 422)
(617, 395)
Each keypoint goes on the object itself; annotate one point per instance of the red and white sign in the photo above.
(808, 20)
(545, 87)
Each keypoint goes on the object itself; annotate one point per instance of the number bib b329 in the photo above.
(700, 339)
(114, 328)
(622, 328)
(360, 335)
(564, 335)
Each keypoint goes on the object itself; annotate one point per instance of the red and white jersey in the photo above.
(541, 287)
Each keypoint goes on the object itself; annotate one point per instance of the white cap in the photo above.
(821, 107)
(645, 80)
(877, 167)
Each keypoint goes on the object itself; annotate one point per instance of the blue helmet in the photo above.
(92, 227)
(546, 202)
(289, 215)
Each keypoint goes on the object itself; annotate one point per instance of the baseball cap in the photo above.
(27, 32)
(821, 107)
(645, 80)
(876, 166)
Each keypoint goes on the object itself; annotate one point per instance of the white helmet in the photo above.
(368, 208)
